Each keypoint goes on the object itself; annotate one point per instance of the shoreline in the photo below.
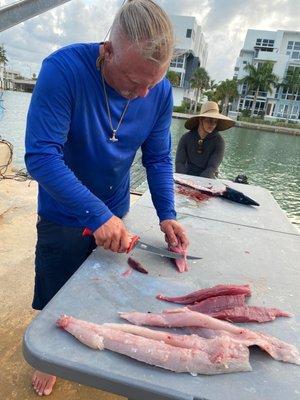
(250, 125)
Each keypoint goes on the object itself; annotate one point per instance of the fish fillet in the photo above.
(203, 294)
(179, 318)
(150, 351)
(249, 314)
(218, 303)
(181, 263)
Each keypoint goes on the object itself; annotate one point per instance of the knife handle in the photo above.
(87, 232)
(133, 239)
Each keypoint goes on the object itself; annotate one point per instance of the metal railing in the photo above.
(20, 11)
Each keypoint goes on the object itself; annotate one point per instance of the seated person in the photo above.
(200, 151)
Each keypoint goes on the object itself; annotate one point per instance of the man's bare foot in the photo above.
(43, 383)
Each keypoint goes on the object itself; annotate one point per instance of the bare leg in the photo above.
(43, 383)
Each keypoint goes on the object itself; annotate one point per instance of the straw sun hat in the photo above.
(210, 109)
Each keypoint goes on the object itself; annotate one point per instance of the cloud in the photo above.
(28, 43)
(224, 24)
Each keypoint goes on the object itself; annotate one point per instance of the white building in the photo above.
(7, 78)
(1, 76)
(283, 48)
(191, 53)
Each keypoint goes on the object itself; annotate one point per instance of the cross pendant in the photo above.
(113, 138)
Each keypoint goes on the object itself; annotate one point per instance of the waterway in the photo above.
(270, 160)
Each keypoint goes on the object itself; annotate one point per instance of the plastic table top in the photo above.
(232, 253)
(268, 215)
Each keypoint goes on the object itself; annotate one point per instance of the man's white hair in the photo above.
(145, 25)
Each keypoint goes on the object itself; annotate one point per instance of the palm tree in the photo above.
(211, 92)
(3, 58)
(291, 83)
(173, 77)
(259, 78)
(199, 81)
(227, 91)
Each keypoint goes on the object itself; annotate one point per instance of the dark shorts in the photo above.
(60, 251)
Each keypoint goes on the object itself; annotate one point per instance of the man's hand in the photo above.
(174, 233)
(113, 235)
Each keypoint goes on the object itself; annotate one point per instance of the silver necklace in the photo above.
(113, 138)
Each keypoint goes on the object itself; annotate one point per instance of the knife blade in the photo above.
(162, 252)
(137, 243)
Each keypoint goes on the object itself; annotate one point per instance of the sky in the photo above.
(223, 22)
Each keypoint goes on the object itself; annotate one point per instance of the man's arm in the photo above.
(157, 160)
(214, 160)
(48, 125)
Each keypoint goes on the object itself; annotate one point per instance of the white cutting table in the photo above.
(239, 244)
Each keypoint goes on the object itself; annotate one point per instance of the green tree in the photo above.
(259, 78)
(3, 58)
(291, 84)
(227, 91)
(211, 92)
(173, 77)
(200, 82)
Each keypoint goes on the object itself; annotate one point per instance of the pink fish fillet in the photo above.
(179, 318)
(218, 303)
(150, 351)
(219, 350)
(249, 314)
(181, 264)
(203, 294)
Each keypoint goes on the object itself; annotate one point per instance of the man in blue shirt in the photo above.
(92, 108)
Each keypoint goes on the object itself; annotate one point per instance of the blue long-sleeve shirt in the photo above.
(83, 177)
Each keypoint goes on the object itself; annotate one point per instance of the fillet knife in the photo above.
(138, 244)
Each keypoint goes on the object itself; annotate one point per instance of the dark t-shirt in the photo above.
(190, 162)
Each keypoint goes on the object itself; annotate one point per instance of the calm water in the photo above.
(268, 159)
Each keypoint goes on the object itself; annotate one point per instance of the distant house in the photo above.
(8, 77)
(23, 85)
(190, 53)
(12, 80)
(281, 47)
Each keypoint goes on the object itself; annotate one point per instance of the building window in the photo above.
(295, 47)
(244, 62)
(264, 43)
(288, 111)
(287, 94)
(236, 68)
(189, 33)
(178, 62)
